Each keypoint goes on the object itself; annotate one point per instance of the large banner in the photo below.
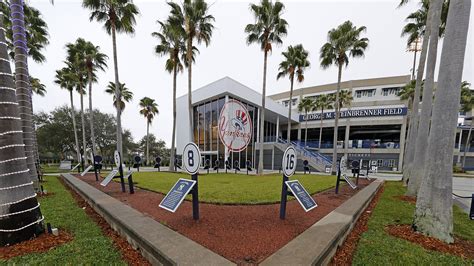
(235, 126)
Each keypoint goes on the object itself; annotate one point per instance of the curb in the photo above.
(158, 244)
(318, 244)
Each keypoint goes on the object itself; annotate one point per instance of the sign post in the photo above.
(97, 159)
(191, 162)
(137, 163)
(341, 167)
(157, 163)
(289, 168)
(118, 163)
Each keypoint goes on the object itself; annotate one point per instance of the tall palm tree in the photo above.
(22, 84)
(421, 141)
(323, 102)
(36, 31)
(94, 61)
(125, 95)
(172, 44)
(117, 16)
(197, 23)
(295, 62)
(305, 106)
(415, 28)
(149, 111)
(343, 42)
(37, 87)
(20, 211)
(268, 29)
(66, 79)
(467, 104)
(434, 204)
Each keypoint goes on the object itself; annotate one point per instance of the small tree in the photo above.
(149, 111)
(305, 106)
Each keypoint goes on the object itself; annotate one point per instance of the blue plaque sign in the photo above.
(303, 197)
(176, 195)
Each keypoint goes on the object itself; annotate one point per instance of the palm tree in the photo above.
(343, 42)
(117, 16)
(75, 61)
(20, 211)
(94, 60)
(22, 84)
(322, 102)
(305, 106)
(125, 95)
(434, 204)
(467, 103)
(415, 28)
(36, 31)
(197, 24)
(172, 44)
(37, 87)
(268, 29)
(149, 110)
(67, 80)
(421, 141)
(295, 62)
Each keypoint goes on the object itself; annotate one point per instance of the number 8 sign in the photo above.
(289, 161)
(191, 158)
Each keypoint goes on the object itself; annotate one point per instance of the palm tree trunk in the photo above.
(190, 95)
(91, 114)
(336, 120)
(406, 134)
(321, 128)
(262, 114)
(421, 144)
(467, 145)
(118, 97)
(173, 136)
(147, 141)
(413, 126)
(434, 205)
(73, 114)
(23, 89)
(414, 60)
(17, 193)
(84, 143)
(289, 109)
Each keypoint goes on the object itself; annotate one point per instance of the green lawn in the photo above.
(376, 247)
(89, 245)
(233, 188)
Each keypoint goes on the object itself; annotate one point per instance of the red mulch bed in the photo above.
(244, 234)
(345, 252)
(460, 247)
(45, 195)
(40, 244)
(408, 199)
(129, 254)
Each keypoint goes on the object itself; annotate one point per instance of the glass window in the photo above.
(379, 163)
(358, 94)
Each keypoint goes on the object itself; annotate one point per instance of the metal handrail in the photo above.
(319, 158)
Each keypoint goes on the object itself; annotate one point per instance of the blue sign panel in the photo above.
(303, 197)
(391, 111)
(175, 197)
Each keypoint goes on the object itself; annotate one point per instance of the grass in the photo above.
(89, 246)
(376, 247)
(52, 169)
(233, 188)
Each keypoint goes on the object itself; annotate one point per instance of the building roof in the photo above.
(229, 86)
(349, 84)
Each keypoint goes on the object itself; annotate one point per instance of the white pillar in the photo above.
(458, 162)
(346, 138)
(278, 127)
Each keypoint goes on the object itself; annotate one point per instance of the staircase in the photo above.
(315, 159)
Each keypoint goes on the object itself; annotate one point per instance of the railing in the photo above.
(312, 155)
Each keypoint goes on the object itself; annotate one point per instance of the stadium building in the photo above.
(371, 128)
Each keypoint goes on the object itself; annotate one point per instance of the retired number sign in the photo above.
(289, 161)
(191, 158)
(117, 158)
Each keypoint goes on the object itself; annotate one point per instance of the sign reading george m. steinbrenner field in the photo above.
(176, 195)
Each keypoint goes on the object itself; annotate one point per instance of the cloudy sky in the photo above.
(228, 53)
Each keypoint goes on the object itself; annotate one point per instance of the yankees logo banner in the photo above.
(235, 126)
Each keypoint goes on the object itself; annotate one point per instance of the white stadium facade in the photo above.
(371, 129)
